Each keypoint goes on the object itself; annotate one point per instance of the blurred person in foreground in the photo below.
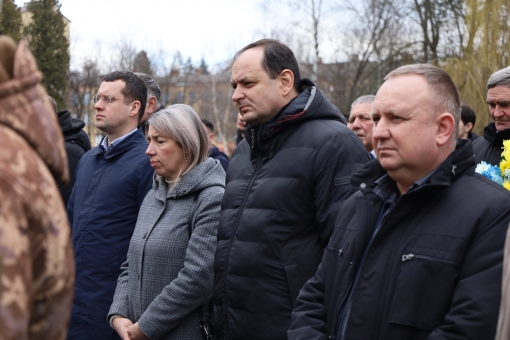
(169, 273)
(284, 184)
(214, 152)
(361, 123)
(489, 147)
(417, 252)
(36, 257)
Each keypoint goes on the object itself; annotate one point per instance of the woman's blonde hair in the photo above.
(181, 123)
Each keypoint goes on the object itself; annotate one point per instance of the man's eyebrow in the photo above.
(500, 102)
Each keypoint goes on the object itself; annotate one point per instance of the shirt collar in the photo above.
(105, 145)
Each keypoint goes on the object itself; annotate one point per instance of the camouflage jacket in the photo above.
(35, 246)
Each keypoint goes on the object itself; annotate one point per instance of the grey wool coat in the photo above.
(167, 276)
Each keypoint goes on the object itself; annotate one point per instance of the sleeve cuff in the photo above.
(113, 317)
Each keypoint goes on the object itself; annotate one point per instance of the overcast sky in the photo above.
(213, 30)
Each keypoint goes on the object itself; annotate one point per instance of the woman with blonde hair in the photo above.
(168, 275)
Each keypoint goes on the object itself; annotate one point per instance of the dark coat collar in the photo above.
(495, 137)
(310, 104)
(461, 160)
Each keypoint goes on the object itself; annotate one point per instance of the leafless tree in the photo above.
(124, 54)
(306, 19)
(222, 117)
(438, 21)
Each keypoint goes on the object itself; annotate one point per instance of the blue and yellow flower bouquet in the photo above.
(499, 174)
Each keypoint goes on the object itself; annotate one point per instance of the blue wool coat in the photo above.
(108, 192)
(168, 275)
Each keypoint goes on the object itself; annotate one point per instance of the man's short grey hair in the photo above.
(181, 123)
(153, 88)
(446, 93)
(501, 77)
(368, 99)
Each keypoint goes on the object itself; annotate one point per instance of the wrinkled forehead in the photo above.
(361, 109)
(402, 94)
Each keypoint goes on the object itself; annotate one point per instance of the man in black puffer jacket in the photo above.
(77, 143)
(284, 185)
(489, 147)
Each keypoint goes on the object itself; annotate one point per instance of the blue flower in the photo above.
(492, 172)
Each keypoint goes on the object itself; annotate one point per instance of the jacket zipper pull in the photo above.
(407, 257)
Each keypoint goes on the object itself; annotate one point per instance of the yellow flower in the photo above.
(506, 144)
(504, 165)
(506, 185)
(506, 154)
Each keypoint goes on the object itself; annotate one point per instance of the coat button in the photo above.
(137, 317)
(138, 276)
(372, 203)
(362, 185)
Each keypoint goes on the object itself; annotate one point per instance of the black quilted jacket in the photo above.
(285, 183)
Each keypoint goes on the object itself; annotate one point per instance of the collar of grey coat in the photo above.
(461, 159)
(206, 174)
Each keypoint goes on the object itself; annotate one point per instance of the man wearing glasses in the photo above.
(111, 182)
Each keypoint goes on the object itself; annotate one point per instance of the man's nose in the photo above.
(99, 105)
(356, 124)
(380, 130)
(237, 95)
(498, 111)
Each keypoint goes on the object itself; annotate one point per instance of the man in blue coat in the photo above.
(111, 182)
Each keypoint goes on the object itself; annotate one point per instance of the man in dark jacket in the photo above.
(285, 182)
(417, 252)
(112, 180)
(488, 148)
(77, 143)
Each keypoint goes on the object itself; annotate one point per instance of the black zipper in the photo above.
(236, 224)
(411, 256)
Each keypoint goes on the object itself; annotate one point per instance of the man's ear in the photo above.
(445, 124)
(151, 105)
(135, 109)
(469, 126)
(286, 81)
